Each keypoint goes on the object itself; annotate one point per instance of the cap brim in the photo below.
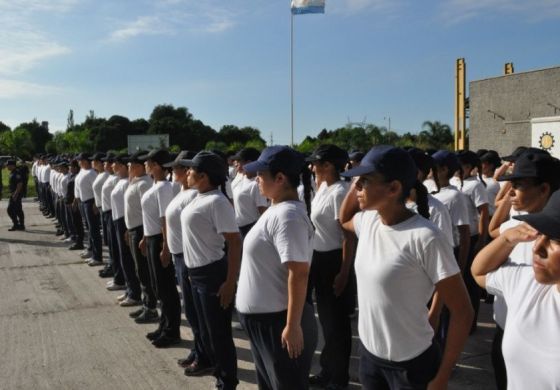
(510, 158)
(311, 159)
(255, 166)
(514, 177)
(358, 171)
(545, 224)
(176, 163)
(144, 157)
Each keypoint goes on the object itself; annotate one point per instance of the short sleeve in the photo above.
(479, 195)
(291, 239)
(165, 196)
(438, 260)
(357, 221)
(260, 201)
(337, 200)
(505, 280)
(223, 216)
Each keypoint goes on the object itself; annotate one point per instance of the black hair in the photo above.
(471, 159)
(303, 177)
(433, 169)
(422, 199)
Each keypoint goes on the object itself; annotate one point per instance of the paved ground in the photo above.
(61, 329)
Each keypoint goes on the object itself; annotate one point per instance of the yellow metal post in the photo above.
(460, 96)
(508, 68)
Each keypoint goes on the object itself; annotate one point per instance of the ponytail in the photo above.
(435, 178)
(422, 199)
(479, 169)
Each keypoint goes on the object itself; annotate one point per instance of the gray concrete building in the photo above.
(501, 108)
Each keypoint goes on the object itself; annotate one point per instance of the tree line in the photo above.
(186, 132)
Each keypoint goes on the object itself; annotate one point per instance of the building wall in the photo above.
(518, 98)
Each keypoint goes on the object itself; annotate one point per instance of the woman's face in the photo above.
(194, 178)
(526, 196)
(372, 191)
(179, 173)
(546, 260)
(267, 184)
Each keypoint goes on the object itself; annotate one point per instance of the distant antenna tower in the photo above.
(271, 139)
(361, 124)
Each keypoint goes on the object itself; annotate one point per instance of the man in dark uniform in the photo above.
(16, 185)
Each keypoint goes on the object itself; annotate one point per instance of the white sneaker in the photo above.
(116, 287)
(85, 255)
(122, 297)
(129, 302)
(109, 283)
(68, 239)
(94, 263)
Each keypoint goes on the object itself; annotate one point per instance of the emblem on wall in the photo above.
(546, 141)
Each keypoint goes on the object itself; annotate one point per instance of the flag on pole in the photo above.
(308, 7)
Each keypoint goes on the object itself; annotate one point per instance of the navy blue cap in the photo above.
(97, 156)
(423, 161)
(356, 155)
(447, 159)
(246, 154)
(328, 152)
(535, 165)
(160, 156)
(491, 157)
(547, 221)
(277, 158)
(209, 163)
(391, 162)
(109, 157)
(180, 159)
(136, 157)
(83, 156)
(121, 158)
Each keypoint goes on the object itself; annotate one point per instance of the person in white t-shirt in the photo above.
(154, 246)
(271, 296)
(401, 259)
(197, 361)
(531, 342)
(248, 202)
(490, 161)
(330, 276)
(212, 251)
(474, 189)
(533, 179)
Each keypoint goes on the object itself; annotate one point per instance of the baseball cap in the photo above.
(135, 158)
(423, 161)
(278, 158)
(392, 162)
(447, 159)
(246, 154)
(328, 152)
(83, 156)
(180, 159)
(546, 221)
(121, 158)
(109, 157)
(209, 163)
(160, 156)
(537, 165)
(356, 155)
(491, 157)
(97, 156)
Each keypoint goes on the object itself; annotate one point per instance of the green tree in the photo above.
(4, 127)
(17, 143)
(436, 134)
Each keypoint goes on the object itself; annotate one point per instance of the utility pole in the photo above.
(271, 139)
(460, 103)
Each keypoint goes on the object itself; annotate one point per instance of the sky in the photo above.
(228, 62)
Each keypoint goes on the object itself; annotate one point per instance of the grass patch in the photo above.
(31, 190)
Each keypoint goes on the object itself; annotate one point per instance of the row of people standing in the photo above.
(401, 262)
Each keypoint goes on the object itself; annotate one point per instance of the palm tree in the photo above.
(436, 134)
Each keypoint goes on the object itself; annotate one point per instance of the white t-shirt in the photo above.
(492, 189)
(106, 190)
(246, 200)
(132, 200)
(396, 268)
(430, 185)
(97, 187)
(203, 222)
(324, 215)
(521, 254)
(283, 233)
(531, 343)
(173, 219)
(154, 202)
(84, 184)
(64, 185)
(117, 198)
(456, 203)
(439, 215)
(476, 195)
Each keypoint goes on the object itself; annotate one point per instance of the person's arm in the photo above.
(164, 255)
(455, 297)
(482, 225)
(227, 289)
(348, 209)
(292, 335)
(500, 216)
(348, 252)
(497, 252)
(18, 190)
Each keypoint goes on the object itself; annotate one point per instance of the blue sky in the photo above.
(228, 61)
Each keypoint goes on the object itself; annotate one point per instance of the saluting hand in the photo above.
(292, 339)
(520, 233)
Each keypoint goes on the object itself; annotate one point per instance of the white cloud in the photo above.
(173, 16)
(23, 49)
(29, 6)
(456, 11)
(16, 89)
(144, 25)
(355, 6)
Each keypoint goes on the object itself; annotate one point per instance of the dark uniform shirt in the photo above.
(15, 178)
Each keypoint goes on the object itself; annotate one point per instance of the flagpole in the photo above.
(292, 72)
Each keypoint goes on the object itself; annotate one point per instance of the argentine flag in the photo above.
(308, 7)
